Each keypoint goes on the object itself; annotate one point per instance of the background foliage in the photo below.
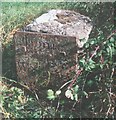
(91, 93)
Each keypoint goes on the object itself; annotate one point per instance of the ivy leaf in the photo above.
(112, 39)
(91, 61)
(92, 42)
(82, 62)
(101, 66)
(50, 94)
(86, 45)
(92, 65)
(69, 94)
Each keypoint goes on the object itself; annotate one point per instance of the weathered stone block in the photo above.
(49, 50)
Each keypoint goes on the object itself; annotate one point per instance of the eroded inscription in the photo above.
(43, 59)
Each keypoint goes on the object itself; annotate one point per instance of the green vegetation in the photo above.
(90, 93)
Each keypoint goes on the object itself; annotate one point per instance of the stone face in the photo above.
(63, 22)
(43, 59)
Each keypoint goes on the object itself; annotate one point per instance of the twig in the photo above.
(21, 86)
(38, 101)
(79, 71)
(113, 33)
(109, 93)
(70, 69)
(110, 104)
(75, 78)
(65, 84)
(94, 52)
(58, 104)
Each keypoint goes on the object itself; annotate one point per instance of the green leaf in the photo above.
(86, 45)
(112, 39)
(87, 68)
(50, 94)
(92, 42)
(90, 82)
(91, 61)
(76, 97)
(101, 66)
(82, 62)
(76, 88)
(52, 97)
(92, 65)
(107, 49)
(85, 94)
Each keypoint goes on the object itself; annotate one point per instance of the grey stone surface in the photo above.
(63, 22)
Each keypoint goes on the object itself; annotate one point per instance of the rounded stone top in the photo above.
(63, 22)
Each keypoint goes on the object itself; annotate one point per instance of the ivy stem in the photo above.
(75, 78)
(94, 52)
(80, 71)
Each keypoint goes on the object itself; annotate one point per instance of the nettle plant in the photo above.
(94, 77)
